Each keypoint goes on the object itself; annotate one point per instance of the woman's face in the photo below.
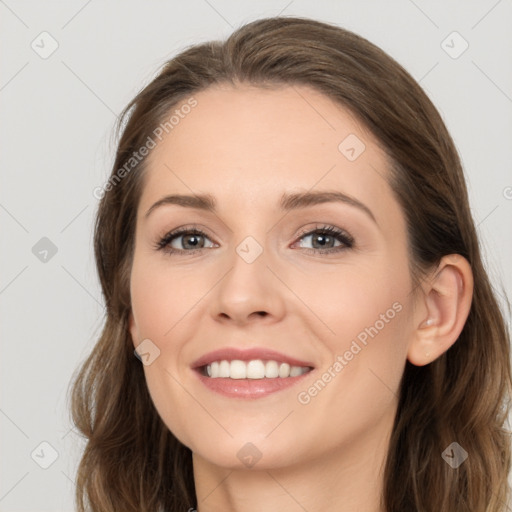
(252, 280)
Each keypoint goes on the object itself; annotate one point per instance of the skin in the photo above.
(246, 146)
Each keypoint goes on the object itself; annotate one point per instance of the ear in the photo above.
(442, 310)
(133, 330)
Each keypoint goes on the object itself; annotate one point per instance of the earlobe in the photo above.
(447, 299)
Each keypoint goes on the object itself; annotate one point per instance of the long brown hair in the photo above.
(131, 461)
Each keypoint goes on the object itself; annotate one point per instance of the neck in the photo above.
(342, 480)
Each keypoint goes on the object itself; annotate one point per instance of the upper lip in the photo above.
(232, 353)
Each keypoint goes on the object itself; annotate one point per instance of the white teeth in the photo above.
(284, 370)
(254, 369)
(224, 369)
(237, 370)
(295, 371)
(271, 370)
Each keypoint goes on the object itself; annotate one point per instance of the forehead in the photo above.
(250, 144)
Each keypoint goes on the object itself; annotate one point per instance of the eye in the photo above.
(192, 241)
(323, 238)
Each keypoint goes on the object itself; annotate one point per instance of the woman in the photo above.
(285, 242)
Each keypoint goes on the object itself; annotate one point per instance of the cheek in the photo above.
(358, 385)
(367, 313)
(158, 300)
(159, 307)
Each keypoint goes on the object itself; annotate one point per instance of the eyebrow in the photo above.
(288, 202)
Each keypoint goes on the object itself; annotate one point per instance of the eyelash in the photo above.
(338, 234)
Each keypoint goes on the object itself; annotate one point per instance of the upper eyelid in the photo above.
(203, 231)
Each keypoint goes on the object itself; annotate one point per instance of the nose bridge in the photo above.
(249, 272)
(250, 231)
(253, 243)
(250, 249)
(249, 286)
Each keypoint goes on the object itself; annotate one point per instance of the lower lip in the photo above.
(249, 388)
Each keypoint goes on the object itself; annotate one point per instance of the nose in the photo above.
(249, 291)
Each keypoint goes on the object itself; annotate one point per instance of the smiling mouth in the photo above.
(253, 369)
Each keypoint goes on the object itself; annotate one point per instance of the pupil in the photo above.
(189, 237)
(324, 238)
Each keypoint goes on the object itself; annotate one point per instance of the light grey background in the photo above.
(57, 114)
